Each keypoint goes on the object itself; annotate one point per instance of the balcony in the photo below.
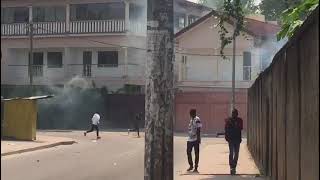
(60, 28)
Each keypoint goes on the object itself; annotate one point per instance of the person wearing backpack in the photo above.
(233, 127)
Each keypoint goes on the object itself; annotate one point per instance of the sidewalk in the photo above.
(9, 147)
(213, 164)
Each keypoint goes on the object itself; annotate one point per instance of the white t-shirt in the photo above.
(95, 119)
(194, 124)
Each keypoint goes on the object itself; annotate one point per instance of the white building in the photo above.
(198, 60)
(103, 41)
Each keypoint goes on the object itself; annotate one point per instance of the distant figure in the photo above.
(233, 127)
(194, 139)
(136, 123)
(95, 122)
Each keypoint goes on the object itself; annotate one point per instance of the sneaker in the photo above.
(195, 170)
(85, 133)
(98, 137)
(233, 171)
(190, 168)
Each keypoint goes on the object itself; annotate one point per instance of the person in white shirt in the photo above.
(194, 139)
(95, 122)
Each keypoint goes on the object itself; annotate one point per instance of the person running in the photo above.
(136, 124)
(194, 139)
(95, 122)
(233, 127)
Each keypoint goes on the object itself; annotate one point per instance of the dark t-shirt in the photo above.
(233, 127)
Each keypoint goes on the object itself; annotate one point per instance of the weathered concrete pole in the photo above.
(159, 92)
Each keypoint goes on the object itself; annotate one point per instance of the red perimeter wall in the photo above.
(212, 108)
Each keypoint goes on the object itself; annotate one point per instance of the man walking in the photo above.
(95, 122)
(233, 127)
(194, 139)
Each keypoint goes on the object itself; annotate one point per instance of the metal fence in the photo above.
(283, 109)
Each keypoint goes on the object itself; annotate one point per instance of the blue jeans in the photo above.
(194, 145)
(233, 154)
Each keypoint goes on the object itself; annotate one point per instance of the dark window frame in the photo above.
(50, 63)
(5, 13)
(247, 63)
(102, 62)
(38, 17)
(97, 11)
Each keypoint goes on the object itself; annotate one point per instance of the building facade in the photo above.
(205, 78)
(102, 41)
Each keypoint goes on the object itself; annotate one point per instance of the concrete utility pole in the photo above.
(233, 69)
(159, 94)
(31, 53)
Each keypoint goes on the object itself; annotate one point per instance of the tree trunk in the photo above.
(159, 92)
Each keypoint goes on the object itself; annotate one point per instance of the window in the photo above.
(49, 14)
(87, 57)
(192, 19)
(246, 65)
(107, 59)
(87, 61)
(14, 15)
(54, 59)
(184, 60)
(136, 12)
(97, 11)
(179, 21)
(37, 68)
(37, 58)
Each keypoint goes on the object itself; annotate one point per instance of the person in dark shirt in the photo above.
(233, 127)
(136, 123)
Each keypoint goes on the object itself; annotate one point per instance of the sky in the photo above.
(256, 1)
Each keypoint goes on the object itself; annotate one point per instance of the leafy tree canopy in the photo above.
(272, 9)
(248, 6)
(292, 18)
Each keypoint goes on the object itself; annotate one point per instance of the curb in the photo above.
(38, 148)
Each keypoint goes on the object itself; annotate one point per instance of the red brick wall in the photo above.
(212, 108)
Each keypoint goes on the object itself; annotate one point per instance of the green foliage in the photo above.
(272, 9)
(248, 6)
(292, 18)
(232, 12)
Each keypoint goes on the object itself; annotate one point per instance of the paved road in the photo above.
(116, 156)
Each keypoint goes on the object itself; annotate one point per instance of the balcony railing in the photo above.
(37, 70)
(101, 26)
(57, 28)
(47, 28)
(138, 28)
(15, 29)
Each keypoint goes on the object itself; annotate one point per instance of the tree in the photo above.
(248, 6)
(159, 93)
(292, 18)
(272, 9)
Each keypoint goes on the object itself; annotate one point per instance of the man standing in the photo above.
(233, 127)
(194, 139)
(95, 122)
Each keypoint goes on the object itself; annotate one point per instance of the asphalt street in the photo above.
(116, 156)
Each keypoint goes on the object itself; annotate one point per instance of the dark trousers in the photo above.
(94, 127)
(194, 145)
(233, 154)
(135, 129)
